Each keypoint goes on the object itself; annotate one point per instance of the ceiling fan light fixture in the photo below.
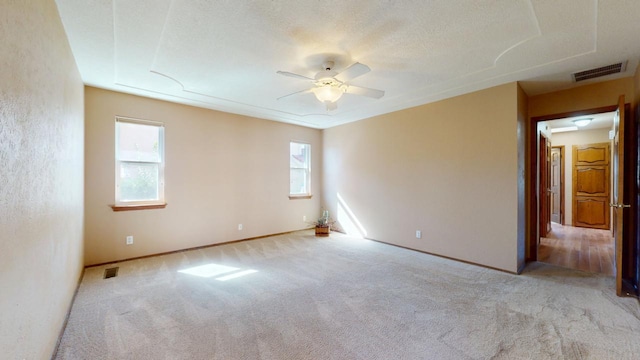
(328, 93)
(582, 122)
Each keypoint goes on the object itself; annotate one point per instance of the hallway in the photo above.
(578, 248)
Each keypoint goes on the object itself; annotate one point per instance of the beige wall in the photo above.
(568, 139)
(221, 170)
(449, 169)
(582, 98)
(41, 178)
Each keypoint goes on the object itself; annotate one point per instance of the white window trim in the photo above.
(161, 199)
(307, 169)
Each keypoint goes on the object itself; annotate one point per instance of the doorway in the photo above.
(577, 237)
(624, 159)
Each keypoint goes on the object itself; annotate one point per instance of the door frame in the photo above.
(533, 146)
(562, 180)
(630, 241)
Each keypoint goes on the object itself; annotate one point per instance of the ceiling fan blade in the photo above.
(295, 93)
(352, 72)
(372, 93)
(289, 74)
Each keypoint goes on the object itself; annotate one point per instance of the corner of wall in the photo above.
(523, 185)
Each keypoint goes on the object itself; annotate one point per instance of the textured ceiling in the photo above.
(598, 121)
(224, 54)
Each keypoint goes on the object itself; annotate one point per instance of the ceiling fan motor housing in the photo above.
(326, 75)
(328, 65)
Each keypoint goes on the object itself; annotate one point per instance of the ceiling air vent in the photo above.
(601, 71)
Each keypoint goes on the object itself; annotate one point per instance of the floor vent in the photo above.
(110, 272)
(601, 71)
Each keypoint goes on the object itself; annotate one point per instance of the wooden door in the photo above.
(556, 185)
(548, 180)
(618, 189)
(544, 190)
(591, 185)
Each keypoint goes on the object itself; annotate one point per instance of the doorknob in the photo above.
(620, 206)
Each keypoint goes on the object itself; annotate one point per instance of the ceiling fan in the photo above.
(329, 85)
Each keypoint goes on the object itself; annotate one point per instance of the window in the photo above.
(300, 170)
(139, 162)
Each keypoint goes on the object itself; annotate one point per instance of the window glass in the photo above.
(139, 181)
(138, 142)
(139, 162)
(300, 168)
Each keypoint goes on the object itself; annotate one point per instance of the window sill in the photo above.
(299, 197)
(137, 207)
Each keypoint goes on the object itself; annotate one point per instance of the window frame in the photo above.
(307, 169)
(140, 204)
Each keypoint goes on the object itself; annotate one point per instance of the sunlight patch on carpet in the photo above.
(236, 275)
(213, 270)
(208, 270)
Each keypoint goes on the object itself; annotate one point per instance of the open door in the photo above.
(545, 185)
(557, 184)
(618, 189)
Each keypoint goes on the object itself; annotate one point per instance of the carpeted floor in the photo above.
(296, 296)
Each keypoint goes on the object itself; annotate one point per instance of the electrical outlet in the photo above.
(304, 217)
(418, 234)
(239, 226)
(129, 240)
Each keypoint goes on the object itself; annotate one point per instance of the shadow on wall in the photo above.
(348, 220)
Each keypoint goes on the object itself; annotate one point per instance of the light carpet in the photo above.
(296, 296)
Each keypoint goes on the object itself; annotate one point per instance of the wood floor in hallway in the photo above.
(578, 248)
